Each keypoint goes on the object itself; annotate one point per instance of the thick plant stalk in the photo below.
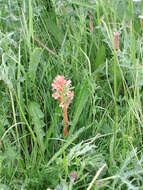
(65, 120)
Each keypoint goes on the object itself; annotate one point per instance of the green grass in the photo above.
(104, 141)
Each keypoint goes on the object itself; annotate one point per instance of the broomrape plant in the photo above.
(65, 96)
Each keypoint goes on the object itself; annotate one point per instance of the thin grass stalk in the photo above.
(24, 118)
(14, 116)
(135, 72)
(95, 177)
(31, 35)
(98, 22)
(115, 69)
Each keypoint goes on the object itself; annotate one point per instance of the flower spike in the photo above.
(63, 93)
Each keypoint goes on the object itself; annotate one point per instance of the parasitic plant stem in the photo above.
(65, 96)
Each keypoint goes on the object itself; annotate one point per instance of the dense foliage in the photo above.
(103, 147)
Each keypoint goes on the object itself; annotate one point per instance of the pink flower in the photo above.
(60, 83)
(63, 93)
(73, 176)
(56, 95)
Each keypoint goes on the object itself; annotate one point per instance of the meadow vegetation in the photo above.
(102, 149)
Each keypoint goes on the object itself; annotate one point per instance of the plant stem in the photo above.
(66, 120)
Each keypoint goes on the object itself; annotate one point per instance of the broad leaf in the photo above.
(80, 104)
(33, 64)
(37, 116)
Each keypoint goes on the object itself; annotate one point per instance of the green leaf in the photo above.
(67, 144)
(100, 57)
(54, 29)
(89, 4)
(34, 61)
(62, 186)
(37, 116)
(4, 187)
(80, 104)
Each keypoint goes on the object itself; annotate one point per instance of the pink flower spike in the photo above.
(59, 83)
(63, 93)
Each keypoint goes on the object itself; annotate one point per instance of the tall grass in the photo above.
(42, 39)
